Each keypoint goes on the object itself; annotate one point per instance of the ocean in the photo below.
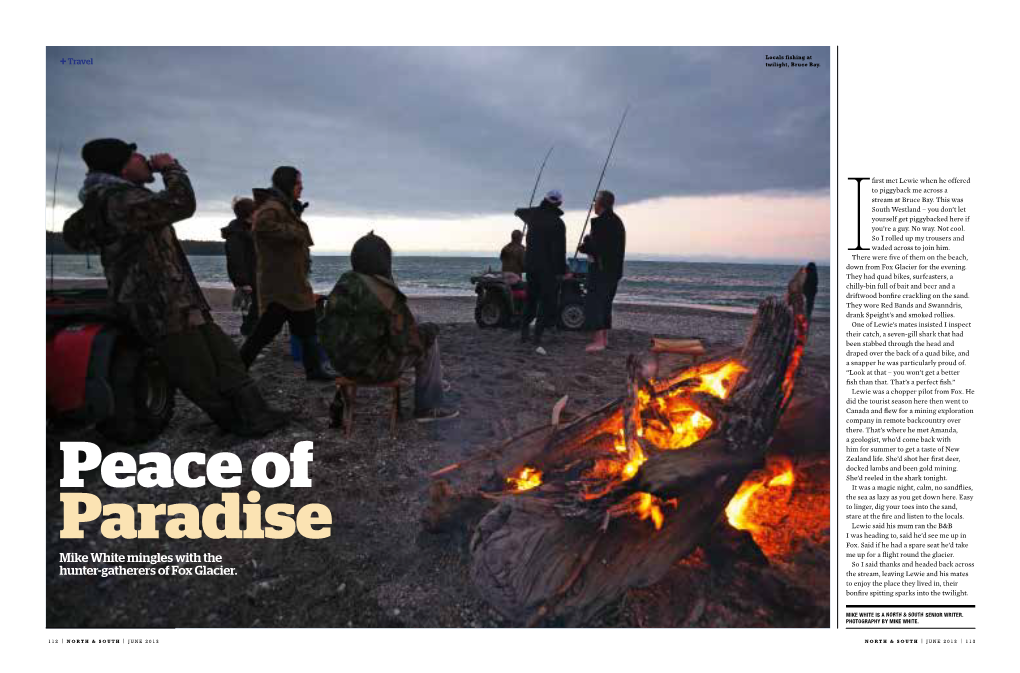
(715, 285)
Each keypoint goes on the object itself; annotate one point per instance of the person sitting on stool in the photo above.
(371, 335)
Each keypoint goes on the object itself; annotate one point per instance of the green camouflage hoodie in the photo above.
(368, 331)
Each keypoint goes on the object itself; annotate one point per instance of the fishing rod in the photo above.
(541, 168)
(534, 189)
(53, 205)
(599, 185)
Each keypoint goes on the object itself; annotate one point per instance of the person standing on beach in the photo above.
(282, 243)
(241, 261)
(150, 281)
(511, 257)
(607, 245)
(545, 264)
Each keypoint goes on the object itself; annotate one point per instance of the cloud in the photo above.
(451, 133)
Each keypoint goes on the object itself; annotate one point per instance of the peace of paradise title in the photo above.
(121, 470)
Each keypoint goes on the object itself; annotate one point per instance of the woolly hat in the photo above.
(372, 255)
(107, 155)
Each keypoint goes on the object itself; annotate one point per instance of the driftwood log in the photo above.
(563, 552)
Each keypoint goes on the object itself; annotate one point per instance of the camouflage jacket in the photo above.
(282, 243)
(148, 276)
(368, 331)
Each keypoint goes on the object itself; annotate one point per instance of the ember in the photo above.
(644, 505)
(749, 499)
(527, 479)
(677, 423)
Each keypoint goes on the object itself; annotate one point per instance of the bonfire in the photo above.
(565, 518)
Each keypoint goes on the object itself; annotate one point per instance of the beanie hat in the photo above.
(107, 155)
(371, 255)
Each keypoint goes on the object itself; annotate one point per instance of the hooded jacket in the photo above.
(148, 276)
(242, 263)
(546, 240)
(282, 246)
(368, 331)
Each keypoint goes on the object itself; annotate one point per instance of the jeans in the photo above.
(428, 379)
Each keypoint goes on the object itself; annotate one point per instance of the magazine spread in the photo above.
(512, 347)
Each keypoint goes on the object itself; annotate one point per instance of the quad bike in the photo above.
(99, 372)
(501, 304)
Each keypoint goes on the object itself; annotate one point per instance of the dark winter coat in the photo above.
(148, 276)
(546, 240)
(282, 243)
(242, 263)
(607, 244)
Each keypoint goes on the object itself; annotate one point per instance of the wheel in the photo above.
(491, 311)
(143, 397)
(572, 315)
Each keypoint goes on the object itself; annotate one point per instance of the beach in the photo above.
(378, 567)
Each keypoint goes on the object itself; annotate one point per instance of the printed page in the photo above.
(491, 356)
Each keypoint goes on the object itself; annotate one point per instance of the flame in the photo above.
(737, 509)
(801, 331)
(527, 479)
(686, 425)
(647, 507)
(784, 479)
(778, 474)
(632, 465)
(720, 381)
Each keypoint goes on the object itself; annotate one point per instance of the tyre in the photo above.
(572, 314)
(491, 311)
(143, 397)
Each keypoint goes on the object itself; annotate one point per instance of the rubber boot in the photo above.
(225, 417)
(254, 418)
(248, 352)
(312, 360)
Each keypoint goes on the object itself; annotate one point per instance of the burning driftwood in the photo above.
(566, 519)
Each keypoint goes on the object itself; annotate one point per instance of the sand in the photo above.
(378, 568)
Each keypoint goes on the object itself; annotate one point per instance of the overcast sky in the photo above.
(438, 146)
